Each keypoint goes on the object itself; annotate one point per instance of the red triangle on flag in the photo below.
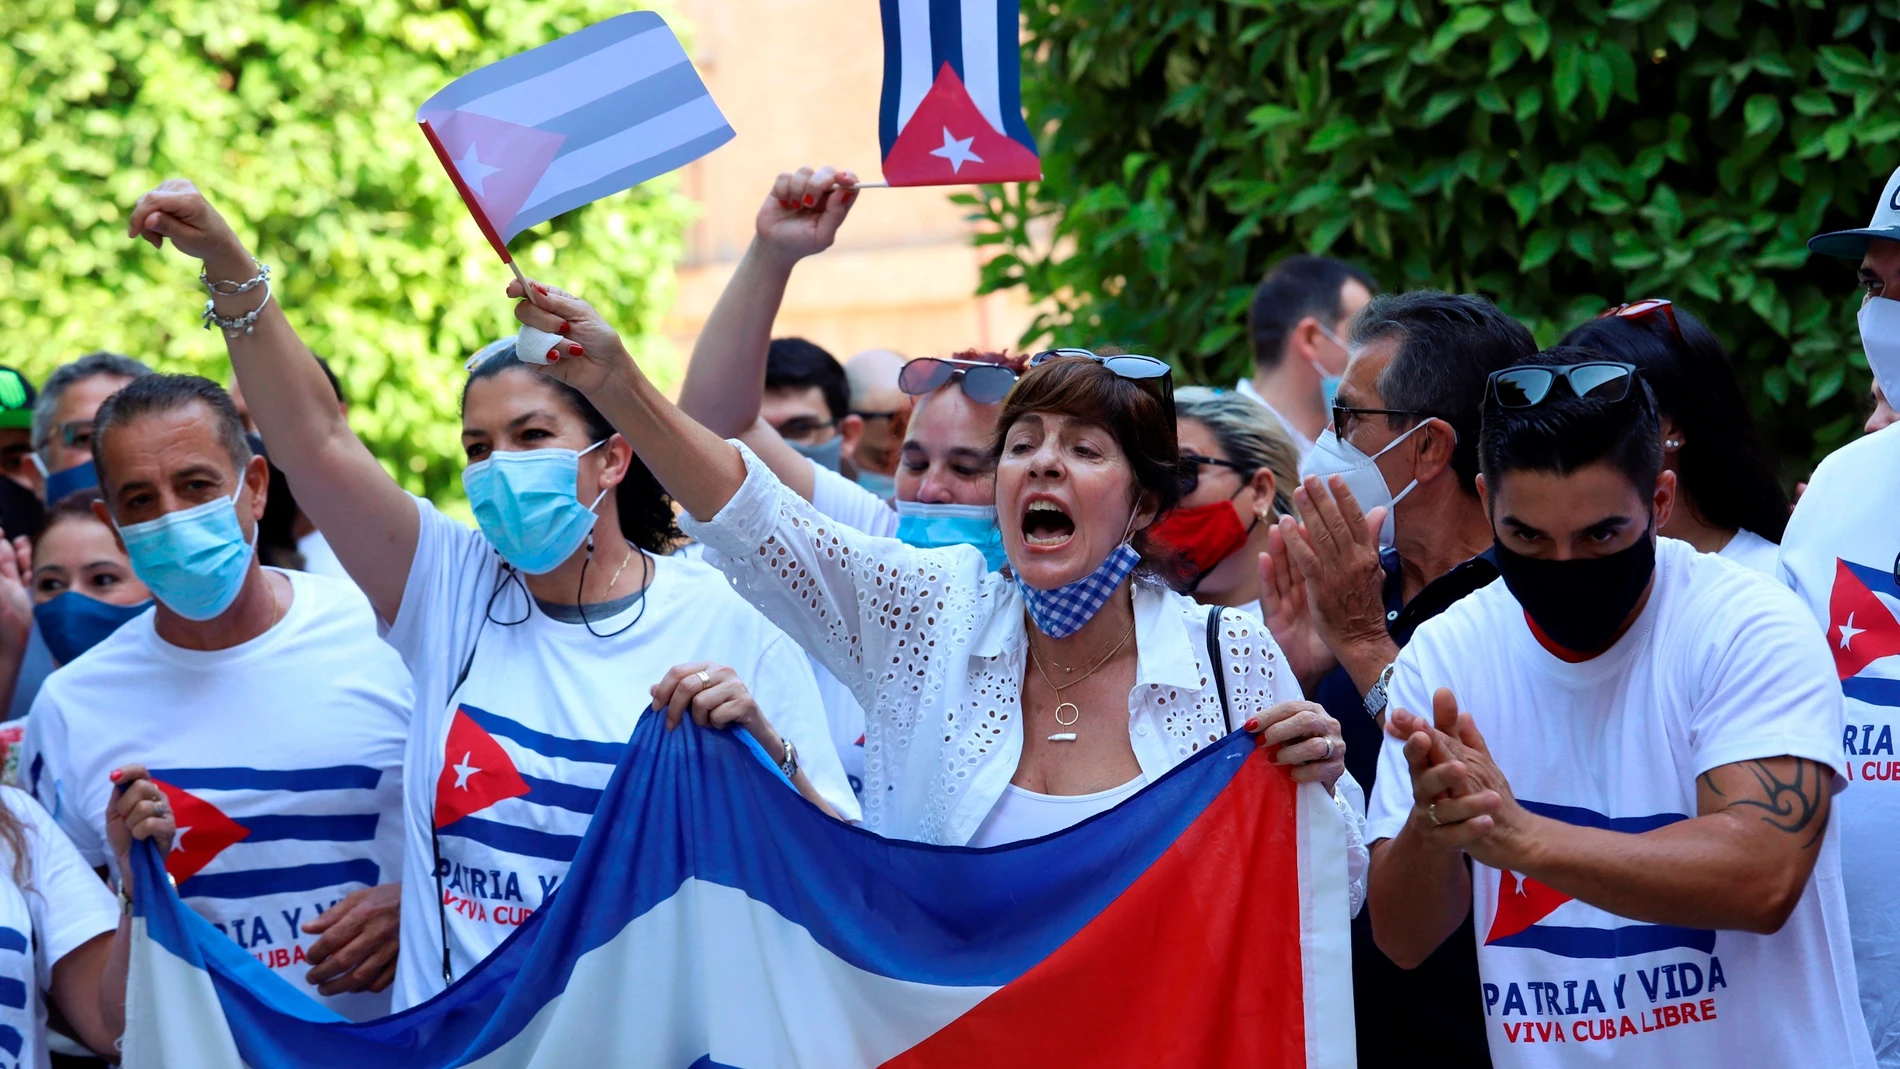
(476, 773)
(1522, 902)
(203, 832)
(947, 142)
(1860, 627)
(494, 164)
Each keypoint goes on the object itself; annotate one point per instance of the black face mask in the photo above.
(20, 510)
(1579, 604)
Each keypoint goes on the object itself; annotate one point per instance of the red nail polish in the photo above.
(564, 328)
(1252, 723)
(554, 354)
(848, 194)
(117, 775)
(539, 288)
(809, 200)
(573, 350)
(785, 204)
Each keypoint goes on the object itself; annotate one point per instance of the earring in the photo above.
(1672, 443)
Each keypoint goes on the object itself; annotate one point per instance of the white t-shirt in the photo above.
(1300, 441)
(281, 757)
(1721, 666)
(1751, 550)
(319, 558)
(65, 907)
(1840, 554)
(1024, 814)
(509, 766)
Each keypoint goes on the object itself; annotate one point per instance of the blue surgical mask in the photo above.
(194, 560)
(933, 526)
(73, 623)
(884, 486)
(527, 505)
(61, 483)
(1329, 382)
(825, 454)
(1063, 611)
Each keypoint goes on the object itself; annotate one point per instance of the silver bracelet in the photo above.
(228, 288)
(238, 325)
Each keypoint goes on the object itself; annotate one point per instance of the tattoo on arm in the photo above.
(1793, 805)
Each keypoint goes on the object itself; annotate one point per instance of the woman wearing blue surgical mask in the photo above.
(999, 707)
(942, 492)
(535, 641)
(82, 583)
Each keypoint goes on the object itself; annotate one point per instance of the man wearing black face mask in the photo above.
(1635, 746)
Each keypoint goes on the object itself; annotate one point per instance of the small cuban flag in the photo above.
(952, 110)
(570, 122)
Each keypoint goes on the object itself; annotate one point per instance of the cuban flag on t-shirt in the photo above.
(952, 110)
(251, 833)
(1863, 628)
(713, 918)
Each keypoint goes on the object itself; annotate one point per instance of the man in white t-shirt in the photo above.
(1296, 327)
(1841, 554)
(1628, 767)
(263, 702)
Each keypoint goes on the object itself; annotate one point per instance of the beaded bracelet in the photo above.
(228, 288)
(232, 327)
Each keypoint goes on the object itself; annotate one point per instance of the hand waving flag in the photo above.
(570, 122)
(952, 111)
(714, 918)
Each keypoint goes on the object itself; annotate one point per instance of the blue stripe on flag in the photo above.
(560, 795)
(626, 177)
(334, 778)
(12, 993)
(554, 55)
(645, 99)
(1872, 691)
(946, 37)
(256, 883)
(888, 12)
(1624, 942)
(347, 828)
(1584, 818)
(525, 841)
(1009, 73)
(10, 1040)
(11, 939)
(599, 753)
(1879, 580)
(699, 804)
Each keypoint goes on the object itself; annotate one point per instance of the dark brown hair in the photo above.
(74, 506)
(1140, 416)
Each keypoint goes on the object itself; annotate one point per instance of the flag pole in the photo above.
(872, 185)
(526, 289)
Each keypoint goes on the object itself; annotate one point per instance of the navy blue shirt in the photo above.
(1439, 1000)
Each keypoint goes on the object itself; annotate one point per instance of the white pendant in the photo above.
(1063, 736)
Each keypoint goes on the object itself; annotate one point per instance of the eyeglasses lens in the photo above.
(1521, 387)
(987, 385)
(1605, 382)
(921, 376)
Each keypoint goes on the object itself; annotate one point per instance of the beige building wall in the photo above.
(799, 81)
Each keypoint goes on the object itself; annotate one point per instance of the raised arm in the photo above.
(726, 377)
(367, 518)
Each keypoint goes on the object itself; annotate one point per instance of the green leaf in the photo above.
(1566, 79)
(1814, 102)
(1536, 38)
(1825, 384)
(1721, 94)
(1551, 185)
(1681, 24)
(1635, 10)
(1269, 116)
(1467, 21)
(1852, 18)
(1845, 60)
(1601, 79)
(1523, 200)
(1442, 103)
(1761, 114)
(1520, 13)
(1543, 245)
(1312, 197)
(1341, 131)
(1529, 103)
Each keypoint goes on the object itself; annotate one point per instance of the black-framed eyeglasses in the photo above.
(1526, 386)
(867, 416)
(983, 383)
(800, 428)
(1192, 463)
(76, 433)
(1142, 370)
(1344, 414)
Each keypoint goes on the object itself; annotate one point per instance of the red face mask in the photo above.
(1204, 534)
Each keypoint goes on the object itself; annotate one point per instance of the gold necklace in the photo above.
(611, 583)
(1075, 711)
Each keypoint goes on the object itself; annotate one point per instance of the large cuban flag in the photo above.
(570, 122)
(952, 110)
(713, 918)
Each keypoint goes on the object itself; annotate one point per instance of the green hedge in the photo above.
(1557, 155)
(298, 118)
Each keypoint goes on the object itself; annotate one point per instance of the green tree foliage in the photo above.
(297, 117)
(1557, 155)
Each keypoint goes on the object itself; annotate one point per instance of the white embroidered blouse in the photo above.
(932, 644)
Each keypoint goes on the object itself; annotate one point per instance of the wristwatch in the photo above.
(1376, 698)
(789, 765)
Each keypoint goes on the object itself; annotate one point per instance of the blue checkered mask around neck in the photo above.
(1061, 612)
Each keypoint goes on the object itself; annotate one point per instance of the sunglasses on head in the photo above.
(983, 383)
(1526, 386)
(1142, 370)
(1637, 310)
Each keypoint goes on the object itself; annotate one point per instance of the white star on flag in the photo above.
(956, 151)
(178, 839)
(463, 771)
(1848, 631)
(473, 170)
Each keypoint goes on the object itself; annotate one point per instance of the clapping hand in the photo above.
(1335, 549)
(1461, 799)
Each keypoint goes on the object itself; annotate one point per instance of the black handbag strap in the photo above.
(1219, 665)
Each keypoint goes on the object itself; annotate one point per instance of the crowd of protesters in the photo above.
(1605, 717)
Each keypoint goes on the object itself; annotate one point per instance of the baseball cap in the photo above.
(16, 399)
(1852, 244)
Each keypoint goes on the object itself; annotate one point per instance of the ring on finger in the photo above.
(161, 809)
(1432, 812)
(704, 677)
(1328, 740)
